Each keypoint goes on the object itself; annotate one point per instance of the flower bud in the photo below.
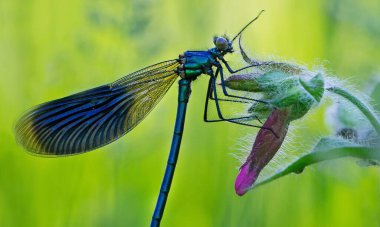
(264, 148)
(288, 97)
(281, 90)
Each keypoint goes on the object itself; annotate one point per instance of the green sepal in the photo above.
(280, 90)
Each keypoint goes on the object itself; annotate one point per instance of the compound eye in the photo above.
(221, 43)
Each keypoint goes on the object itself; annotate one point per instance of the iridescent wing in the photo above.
(90, 119)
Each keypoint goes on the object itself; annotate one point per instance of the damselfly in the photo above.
(93, 118)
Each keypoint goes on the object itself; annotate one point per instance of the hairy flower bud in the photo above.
(264, 148)
(288, 96)
(281, 90)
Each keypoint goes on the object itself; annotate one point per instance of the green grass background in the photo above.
(50, 48)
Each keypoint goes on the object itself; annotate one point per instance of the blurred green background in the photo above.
(49, 49)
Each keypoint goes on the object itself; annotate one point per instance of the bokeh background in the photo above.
(49, 49)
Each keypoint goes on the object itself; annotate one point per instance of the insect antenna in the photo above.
(249, 23)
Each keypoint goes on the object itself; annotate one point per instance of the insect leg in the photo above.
(233, 120)
(220, 68)
(209, 97)
(205, 114)
(238, 120)
(256, 64)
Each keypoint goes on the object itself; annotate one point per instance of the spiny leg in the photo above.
(228, 100)
(235, 100)
(219, 112)
(212, 89)
(208, 97)
(220, 68)
(256, 64)
(233, 120)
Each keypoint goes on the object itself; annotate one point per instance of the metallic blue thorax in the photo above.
(195, 63)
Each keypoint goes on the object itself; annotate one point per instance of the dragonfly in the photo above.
(96, 117)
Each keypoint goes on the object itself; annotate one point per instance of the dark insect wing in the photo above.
(96, 117)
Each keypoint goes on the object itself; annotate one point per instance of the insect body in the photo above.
(195, 63)
(93, 118)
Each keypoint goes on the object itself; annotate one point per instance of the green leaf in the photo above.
(326, 149)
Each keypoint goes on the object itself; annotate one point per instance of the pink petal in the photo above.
(264, 148)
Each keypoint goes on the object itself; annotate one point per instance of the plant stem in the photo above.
(371, 116)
